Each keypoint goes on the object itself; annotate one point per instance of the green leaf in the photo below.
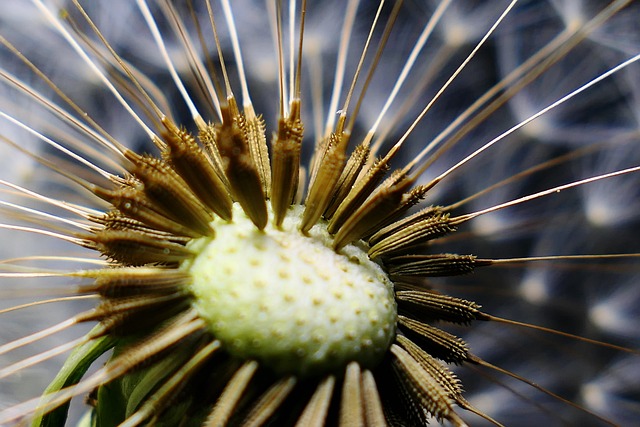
(70, 374)
(120, 398)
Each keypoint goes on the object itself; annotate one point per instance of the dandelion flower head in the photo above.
(320, 213)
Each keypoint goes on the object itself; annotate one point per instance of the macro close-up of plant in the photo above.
(358, 213)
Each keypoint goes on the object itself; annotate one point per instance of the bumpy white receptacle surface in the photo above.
(288, 300)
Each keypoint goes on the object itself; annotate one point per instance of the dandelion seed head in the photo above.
(221, 309)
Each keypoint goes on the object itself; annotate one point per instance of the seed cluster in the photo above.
(204, 252)
(244, 288)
